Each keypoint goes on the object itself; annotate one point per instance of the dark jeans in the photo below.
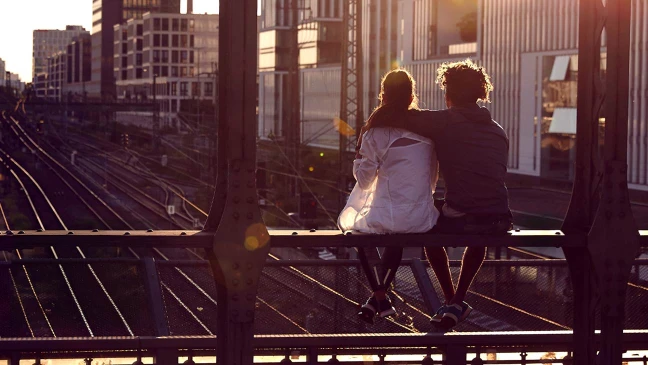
(381, 269)
(472, 223)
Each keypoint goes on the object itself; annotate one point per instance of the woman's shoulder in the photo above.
(390, 134)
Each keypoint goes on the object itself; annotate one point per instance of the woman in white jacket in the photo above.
(396, 173)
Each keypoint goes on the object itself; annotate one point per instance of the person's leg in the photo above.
(369, 259)
(391, 259)
(470, 264)
(438, 259)
(370, 262)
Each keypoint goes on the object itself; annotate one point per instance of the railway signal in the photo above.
(124, 140)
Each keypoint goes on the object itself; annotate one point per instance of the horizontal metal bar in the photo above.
(286, 263)
(633, 340)
(63, 261)
(303, 238)
(287, 238)
(133, 239)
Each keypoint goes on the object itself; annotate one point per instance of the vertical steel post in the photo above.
(351, 101)
(293, 133)
(585, 195)
(241, 240)
(614, 239)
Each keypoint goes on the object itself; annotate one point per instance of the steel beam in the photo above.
(241, 241)
(614, 240)
(429, 294)
(351, 88)
(558, 340)
(585, 192)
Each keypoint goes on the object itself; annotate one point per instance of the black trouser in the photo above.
(380, 269)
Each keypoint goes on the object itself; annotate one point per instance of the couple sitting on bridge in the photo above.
(399, 155)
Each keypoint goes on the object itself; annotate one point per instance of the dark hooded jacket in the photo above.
(472, 150)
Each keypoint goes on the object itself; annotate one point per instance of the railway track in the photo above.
(520, 253)
(296, 277)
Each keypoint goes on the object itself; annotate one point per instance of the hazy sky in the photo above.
(21, 17)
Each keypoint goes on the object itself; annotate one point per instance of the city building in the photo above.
(47, 42)
(177, 54)
(68, 71)
(56, 75)
(3, 70)
(105, 15)
(532, 62)
(320, 32)
(78, 72)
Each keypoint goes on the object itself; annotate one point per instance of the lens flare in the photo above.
(343, 128)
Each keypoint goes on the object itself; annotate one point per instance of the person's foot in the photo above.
(385, 308)
(368, 310)
(455, 314)
(374, 307)
(438, 316)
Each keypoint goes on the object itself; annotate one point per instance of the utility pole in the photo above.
(293, 132)
(156, 115)
(351, 103)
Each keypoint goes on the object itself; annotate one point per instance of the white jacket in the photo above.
(396, 178)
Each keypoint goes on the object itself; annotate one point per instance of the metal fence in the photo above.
(295, 297)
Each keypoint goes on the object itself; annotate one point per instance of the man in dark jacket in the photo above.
(472, 150)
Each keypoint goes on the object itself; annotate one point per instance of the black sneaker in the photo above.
(368, 310)
(374, 307)
(385, 308)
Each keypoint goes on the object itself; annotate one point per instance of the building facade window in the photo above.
(174, 105)
(209, 89)
(174, 57)
(165, 24)
(165, 40)
(183, 41)
(174, 88)
(164, 71)
(184, 25)
(175, 25)
(165, 56)
(184, 56)
(174, 40)
(195, 89)
(183, 72)
(156, 24)
(156, 40)
(156, 56)
(184, 88)
(174, 71)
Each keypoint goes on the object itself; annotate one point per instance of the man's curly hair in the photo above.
(464, 82)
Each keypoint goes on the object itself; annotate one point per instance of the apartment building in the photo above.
(47, 42)
(174, 54)
(105, 15)
(67, 71)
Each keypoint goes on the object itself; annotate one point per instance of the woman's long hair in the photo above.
(397, 96)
